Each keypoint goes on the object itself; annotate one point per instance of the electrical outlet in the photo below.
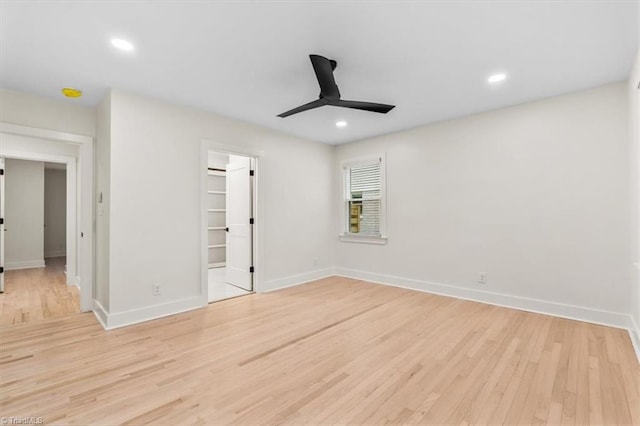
(156, 289)
(482, 277)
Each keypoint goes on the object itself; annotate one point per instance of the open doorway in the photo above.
(230, 220)
(76, 152)
(38, 283)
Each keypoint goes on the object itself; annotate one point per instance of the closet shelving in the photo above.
(216, 228)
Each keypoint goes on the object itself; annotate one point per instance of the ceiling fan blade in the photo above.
(367, 106)
(311, 105)
(323, 68)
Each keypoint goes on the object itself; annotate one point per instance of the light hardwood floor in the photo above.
(37, 294)
(333, 351)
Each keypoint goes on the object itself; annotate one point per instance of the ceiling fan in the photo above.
(329, 93)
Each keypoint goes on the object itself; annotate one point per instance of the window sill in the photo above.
(363, 239)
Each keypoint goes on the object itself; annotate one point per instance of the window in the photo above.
(363, 212)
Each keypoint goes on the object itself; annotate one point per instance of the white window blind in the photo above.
(363, 198)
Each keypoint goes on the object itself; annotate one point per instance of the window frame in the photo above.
(349, 237)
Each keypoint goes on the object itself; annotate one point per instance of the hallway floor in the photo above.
(38, 293)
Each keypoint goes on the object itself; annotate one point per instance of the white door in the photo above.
(239, 237)
(1, 224)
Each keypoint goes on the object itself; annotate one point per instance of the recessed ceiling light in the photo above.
(70, 92)
(121, 44)
(341, 123)
(497, 78)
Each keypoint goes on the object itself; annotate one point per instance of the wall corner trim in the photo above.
(101, 313)
(298, 279)
(109, 321)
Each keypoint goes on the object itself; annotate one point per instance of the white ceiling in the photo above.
(249, 60)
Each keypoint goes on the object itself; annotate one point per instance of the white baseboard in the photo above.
(294, 280)
(101, 313)
(634, 334)
(24, 264)
(55, 253)
(134, 316)
(596, 316)
(72, 280)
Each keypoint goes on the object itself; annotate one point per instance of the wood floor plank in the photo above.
(335, 351)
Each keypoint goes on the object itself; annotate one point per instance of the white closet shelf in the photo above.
(216, 199)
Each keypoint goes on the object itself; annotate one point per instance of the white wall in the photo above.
(155, 176)
(55, 212)
(633, 88)
(535, 195)
(54, 114)
(24, 214)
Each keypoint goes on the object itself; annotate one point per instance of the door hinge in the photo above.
(1, 269)
(1, 171)
(250, 172)
(252, 269)
(251, 221)
(1, 220)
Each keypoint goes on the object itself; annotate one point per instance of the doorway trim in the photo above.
(82, 167)
(258, 209)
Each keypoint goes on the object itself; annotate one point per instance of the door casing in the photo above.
(258, 208)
